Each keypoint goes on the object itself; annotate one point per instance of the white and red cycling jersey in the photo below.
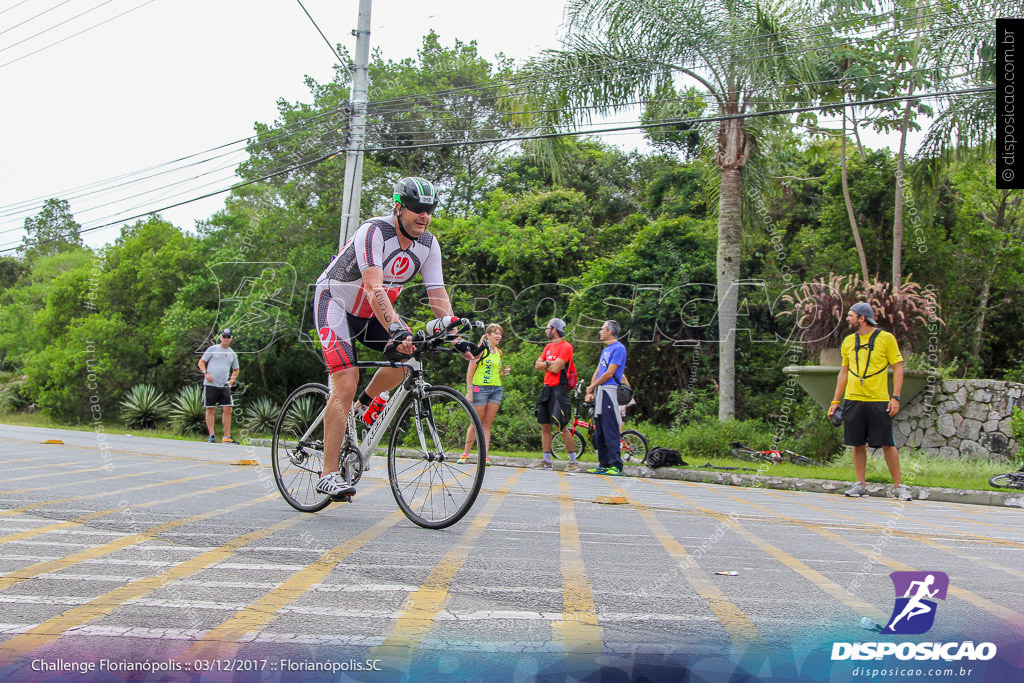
(339, 289)
(375, 245)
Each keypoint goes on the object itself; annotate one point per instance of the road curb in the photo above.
(1010, 499)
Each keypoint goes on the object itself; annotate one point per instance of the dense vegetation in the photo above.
(587, 234)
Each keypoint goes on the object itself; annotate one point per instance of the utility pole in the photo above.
(352, 192)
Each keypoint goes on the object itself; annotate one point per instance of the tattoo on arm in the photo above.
(382, 301)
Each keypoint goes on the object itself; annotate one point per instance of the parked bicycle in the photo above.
(428, 426)
(632, 443)
(774, 456)
(1010, 480)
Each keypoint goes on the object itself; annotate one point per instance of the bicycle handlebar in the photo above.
(434, 335)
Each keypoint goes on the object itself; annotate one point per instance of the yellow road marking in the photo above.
(50, 473)
(1001, 527)
(45, 503)
(1015, 620)
(124, 452)
(99, 607)
(578, 630)
(221, 641)
(740, 628)
(421, 607)
(33, 570)
(815, 577)
(78, 521)
(921, 538)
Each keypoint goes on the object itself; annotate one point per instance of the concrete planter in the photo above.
(820, 382)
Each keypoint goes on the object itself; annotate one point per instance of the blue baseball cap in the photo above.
(863, 308)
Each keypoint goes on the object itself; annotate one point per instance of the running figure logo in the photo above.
(914, 611)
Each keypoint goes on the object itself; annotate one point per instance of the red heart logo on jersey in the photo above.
(400, 265)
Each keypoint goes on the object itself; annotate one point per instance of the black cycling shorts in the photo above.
(553, 406)
(867, 422)
(217, 396)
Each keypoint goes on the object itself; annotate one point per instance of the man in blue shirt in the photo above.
(603, 390)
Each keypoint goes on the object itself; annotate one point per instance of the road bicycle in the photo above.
(774, 456)
(427, 425)
(1010, 480)
(632, 444)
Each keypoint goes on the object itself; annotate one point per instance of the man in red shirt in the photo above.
(553, 402)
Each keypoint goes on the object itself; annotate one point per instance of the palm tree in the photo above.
(965, 126)
(743, 55)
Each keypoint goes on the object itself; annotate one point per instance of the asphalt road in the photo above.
(121, 553)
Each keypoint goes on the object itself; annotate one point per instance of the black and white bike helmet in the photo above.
(416, 194)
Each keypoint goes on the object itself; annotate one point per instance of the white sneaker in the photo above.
(903, 492)
(857, 489)
(334, 485)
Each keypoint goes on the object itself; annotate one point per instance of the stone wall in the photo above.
(961, 418)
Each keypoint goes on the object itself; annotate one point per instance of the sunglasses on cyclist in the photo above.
(419, 207)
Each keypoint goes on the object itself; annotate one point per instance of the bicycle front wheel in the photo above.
(633, 446)
(431, 487)
(1012, 480)
(297, 449)
(746, 455)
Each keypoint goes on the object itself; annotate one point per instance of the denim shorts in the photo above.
(482, 395)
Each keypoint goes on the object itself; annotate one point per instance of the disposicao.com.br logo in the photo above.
(913, 613)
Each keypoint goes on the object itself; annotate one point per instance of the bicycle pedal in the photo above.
(346, 498)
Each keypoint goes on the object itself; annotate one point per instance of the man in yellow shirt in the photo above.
(868, 413)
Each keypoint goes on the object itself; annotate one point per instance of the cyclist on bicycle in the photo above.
(354, 300)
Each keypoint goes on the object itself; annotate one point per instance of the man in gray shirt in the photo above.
(219, 366)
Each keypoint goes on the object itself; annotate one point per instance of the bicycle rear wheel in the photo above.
(427, 438)
(633, 446)
(297, 449)
(558, 444)
(1011, 480)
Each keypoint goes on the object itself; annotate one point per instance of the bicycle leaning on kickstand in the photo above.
(632, 444)
(427, 422)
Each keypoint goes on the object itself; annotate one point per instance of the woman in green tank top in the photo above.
(483, 388)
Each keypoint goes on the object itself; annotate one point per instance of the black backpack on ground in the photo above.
(664, 457)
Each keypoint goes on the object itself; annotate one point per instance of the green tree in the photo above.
(11, 270)
(745, 57)
(422, 113)
(989, 238)
(51, 231)
(28, 319)
(658, 286)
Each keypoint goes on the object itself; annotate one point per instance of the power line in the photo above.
(17, 4)
(840, 41)
(476, 88)
(57, 25)
(383, 144)
(73, 35)
(398, 126)
(280, 134)
(557, 134)
(333, 50)
(25, 21)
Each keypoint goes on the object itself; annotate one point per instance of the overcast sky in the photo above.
(175, 77)
(146, 82)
